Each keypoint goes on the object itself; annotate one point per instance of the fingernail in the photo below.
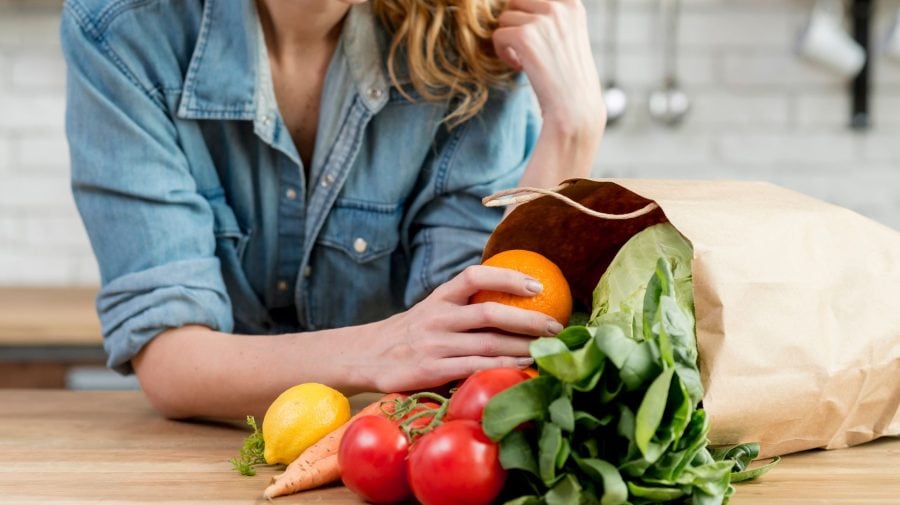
(524, 362)
(533, 286)
(553, 327)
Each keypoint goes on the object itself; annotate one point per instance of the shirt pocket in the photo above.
(356, 277)
(363, 231)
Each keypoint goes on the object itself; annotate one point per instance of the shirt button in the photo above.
(307, 271)
(375, 93)
(327, 180)
(282, 285)
(360, 245)
(291, 194)
(266, 120)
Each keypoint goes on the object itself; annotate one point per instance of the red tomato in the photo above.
(456, 463)
(372, 457)
(469, 400)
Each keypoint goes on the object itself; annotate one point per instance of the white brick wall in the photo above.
(758, 113)
(41, 239)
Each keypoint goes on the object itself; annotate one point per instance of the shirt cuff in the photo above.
(137, 307)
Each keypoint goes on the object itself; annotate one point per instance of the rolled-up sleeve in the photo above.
(150, 229)
(448, 223)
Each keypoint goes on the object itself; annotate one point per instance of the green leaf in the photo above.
(610, 387)
(516, 453)
(625, 427)
(621, 288)
(678, 329)
(712, 479)
(624, 321)
(556, 359)
(526, 500)
(574, 336)
(650, 413)
(591, 382)
(615, 491)
(672, 464)
(562, 414)
(752, 473)
(563, 455)
(741, 454)
(659, 285)
(566, 492)
(655, 493)
(678, 411)
(526, 401)
(252, 453)
(636, 361)
(549, 447)
(588, 423)
(579, 318)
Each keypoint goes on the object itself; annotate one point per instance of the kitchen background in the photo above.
(757, 112)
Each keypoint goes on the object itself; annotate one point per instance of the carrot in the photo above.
(318, 464)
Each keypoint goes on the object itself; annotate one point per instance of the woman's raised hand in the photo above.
(549, 41)
(443, 338)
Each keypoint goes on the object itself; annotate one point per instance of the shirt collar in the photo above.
(229, 39)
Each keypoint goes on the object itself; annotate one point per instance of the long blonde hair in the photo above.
(447, 50)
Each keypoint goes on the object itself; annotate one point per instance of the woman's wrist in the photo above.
(345, 366)
(565, 149)
(583, 126)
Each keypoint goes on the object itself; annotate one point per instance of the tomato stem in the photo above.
(437, 417)
(440, 400)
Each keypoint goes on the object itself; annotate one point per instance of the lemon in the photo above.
(300, 417)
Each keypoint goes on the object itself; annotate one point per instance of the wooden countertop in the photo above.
(84, 447)
(48, 317)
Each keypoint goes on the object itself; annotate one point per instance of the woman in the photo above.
(312, 170)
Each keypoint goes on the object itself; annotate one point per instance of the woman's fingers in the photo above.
(544, 7)
(509, 18)
(487, 344)
(458, 368)
(506, 318)
(478, 277)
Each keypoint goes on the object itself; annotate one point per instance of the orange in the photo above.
(555, 299)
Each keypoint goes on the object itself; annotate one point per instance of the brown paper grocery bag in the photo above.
(797, 301)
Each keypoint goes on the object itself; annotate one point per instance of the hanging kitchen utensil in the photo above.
(669, 104)
(614, 96)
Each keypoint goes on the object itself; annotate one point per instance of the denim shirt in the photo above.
(196, 202)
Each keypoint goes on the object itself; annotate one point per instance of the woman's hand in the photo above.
(549, 41)
(444, 338)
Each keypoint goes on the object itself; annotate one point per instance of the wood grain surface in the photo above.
(85, 447)
(48, 316)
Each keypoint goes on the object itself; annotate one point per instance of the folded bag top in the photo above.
(798, 317)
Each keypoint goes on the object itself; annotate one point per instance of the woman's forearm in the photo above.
(563, 152)
(195, 371)
(550, 42)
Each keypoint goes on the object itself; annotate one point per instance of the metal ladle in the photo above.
(670, 104)
(613, 96)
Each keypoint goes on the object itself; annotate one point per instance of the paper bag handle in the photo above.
(522, 195)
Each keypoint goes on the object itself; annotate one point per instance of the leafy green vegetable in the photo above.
(517, 454)
(613, 418)
(622, 286)
(608, 477)
(567, 492)
(550, 446)
(526, 401)
(252, 453)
